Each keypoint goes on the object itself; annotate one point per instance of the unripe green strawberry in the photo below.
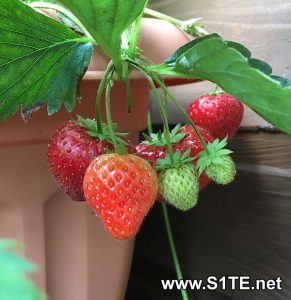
(223, 172)
(179, 186)
(215, 161)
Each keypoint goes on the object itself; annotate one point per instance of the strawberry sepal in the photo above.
(216, 162)
(92, 130)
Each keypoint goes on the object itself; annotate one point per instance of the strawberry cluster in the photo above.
(121, 185)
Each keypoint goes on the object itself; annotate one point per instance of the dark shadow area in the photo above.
(242, 229)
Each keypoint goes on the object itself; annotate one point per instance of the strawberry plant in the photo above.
(42, 61)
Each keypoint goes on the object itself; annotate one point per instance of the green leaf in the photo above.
(283, 81)
(180, 51)
(260, 65)
(240, 48)
(106, 20)
(213, 59)
(41, 60)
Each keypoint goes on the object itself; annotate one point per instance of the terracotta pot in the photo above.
(77, 259)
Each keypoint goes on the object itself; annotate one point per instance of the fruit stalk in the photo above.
(181, 109)
(108, 112)
(101, 87)
(196, 30)
(173, 248)
(151, 77)
(162, 109)
(164, 117)
(169, 228)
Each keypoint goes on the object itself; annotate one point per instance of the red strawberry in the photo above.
(70, 152)
(183, 138)
(220, 114)
(150, 152)
(120, 189)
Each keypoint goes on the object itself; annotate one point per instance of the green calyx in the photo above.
(216, 162)
(92, 130)
(159, 139)
(174, 161)
(179, 186)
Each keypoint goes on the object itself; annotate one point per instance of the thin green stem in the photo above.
(162, 109)
(163, 116)
(133, 39)
(172, 97)
(125, 77)
(128, 94)
(173, 248)
(162, 16)
(101, 87)
(108, 112)
(182, 110)
(188, 26)
(65, 12)
(168, 227)
(150, 124)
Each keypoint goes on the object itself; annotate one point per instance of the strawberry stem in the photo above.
(188, 26)
(150, 125)
(127, 87)
(173, 248)
(163, 113)
(163, 110)
(152, 77)
(181, 109)
(101, 87)
(168, 227)
(108, 111)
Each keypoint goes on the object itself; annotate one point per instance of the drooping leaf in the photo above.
(41, 60)
(240, 48)
(283, 81)
(14, 283)
(213, 59)
(106, 20)
(180, 51)
(260, 65)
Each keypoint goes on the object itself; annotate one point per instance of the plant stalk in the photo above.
(172, 97)
(150, 125)
(162, 16)
(182, 110)
(164, 118)
(188, 26)
(101, 87)
(108, 111)
(173, 248)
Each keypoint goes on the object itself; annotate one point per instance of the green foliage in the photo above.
(229, 65)
(41, 60)
(14, 285)
(159, 139)
(92, 130)
(106, 20)
(216, 162)
(212, 154)
(174, 161)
